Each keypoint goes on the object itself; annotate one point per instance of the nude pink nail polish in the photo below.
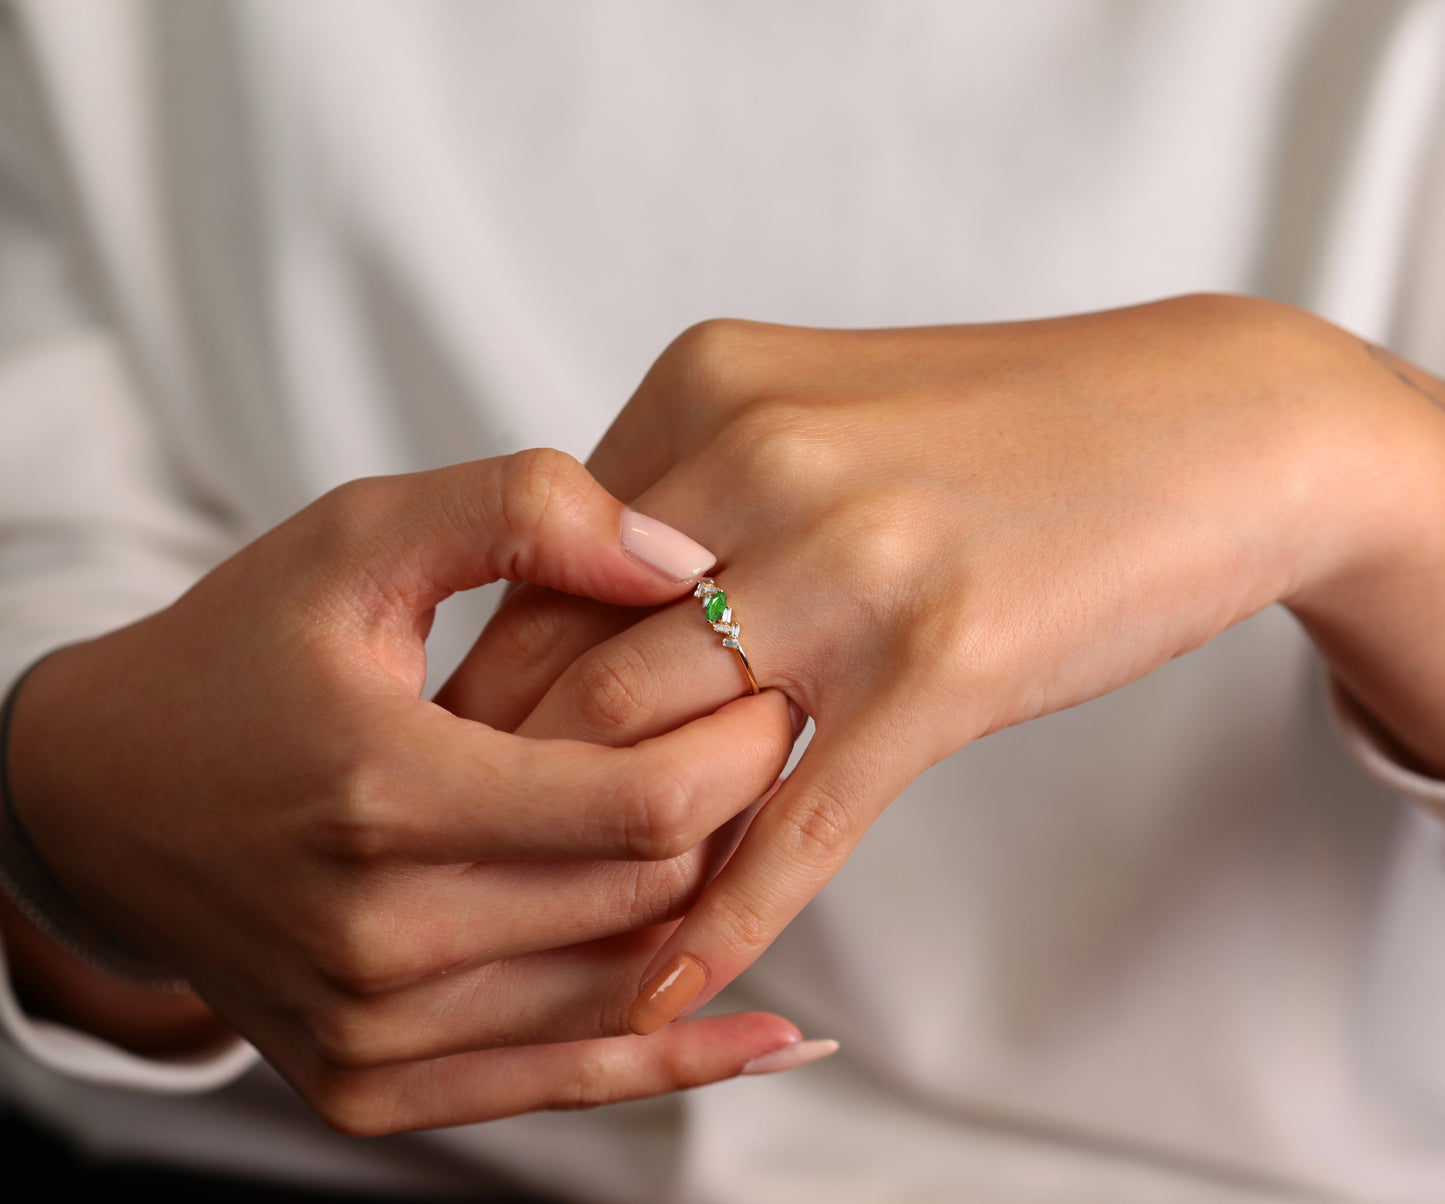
(663, 548)
(790, 1057)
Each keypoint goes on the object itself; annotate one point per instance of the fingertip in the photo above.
(791, 1056)
(797, 716)
(664, 996)
(768, 698)
(763, 723)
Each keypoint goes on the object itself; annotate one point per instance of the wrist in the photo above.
(57, 954)
(29, 881)
(1372, 603)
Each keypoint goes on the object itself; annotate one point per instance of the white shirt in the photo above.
(1170, 945)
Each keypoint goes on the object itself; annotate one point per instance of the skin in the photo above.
(927, 535)
(1431, 388)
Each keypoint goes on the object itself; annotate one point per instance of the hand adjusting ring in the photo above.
(720, 615)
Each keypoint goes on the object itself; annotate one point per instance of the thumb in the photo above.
(535, 516)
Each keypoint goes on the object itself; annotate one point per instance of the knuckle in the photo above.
(341, 1038)
(684, 1067)
(654, 892)
(344, 531)
(358, 960)
(357, 823)
(782, 443)
(936, 641)
(711, 357)
(657, 819)
(356, 507)
(529, 623)
(874, 546)
(347, 1102)
(820, 832)
(351, 930)
(372, 948)
(589, 1085)
(346, 1036)
(606, 1017)
(536, 485)
(360, 948)
(617, 687)
(889, 545)
(883, 536)
(745, 922)
(593, 1080)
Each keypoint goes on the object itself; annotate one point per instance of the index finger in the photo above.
(451, 791)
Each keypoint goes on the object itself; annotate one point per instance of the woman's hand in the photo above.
(248, 788)
(929, 535)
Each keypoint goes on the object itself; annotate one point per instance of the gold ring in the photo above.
(720, 614)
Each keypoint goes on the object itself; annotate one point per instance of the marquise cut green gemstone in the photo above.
(716, 605)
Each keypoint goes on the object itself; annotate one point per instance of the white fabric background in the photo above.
(1170, 945)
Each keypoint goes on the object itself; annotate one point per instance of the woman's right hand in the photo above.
(407, 912)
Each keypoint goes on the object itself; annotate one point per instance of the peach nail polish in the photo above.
(800, 1053)
(665, 995)
(663, 548)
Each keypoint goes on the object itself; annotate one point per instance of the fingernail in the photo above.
(663, 548)
(665, 994)
(790, 1057)
(799, 718)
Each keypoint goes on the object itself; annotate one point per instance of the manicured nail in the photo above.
(665, 994)
(790, 1057)
(799, 718)
(664, 548)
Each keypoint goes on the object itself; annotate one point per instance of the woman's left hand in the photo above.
(928, 535)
